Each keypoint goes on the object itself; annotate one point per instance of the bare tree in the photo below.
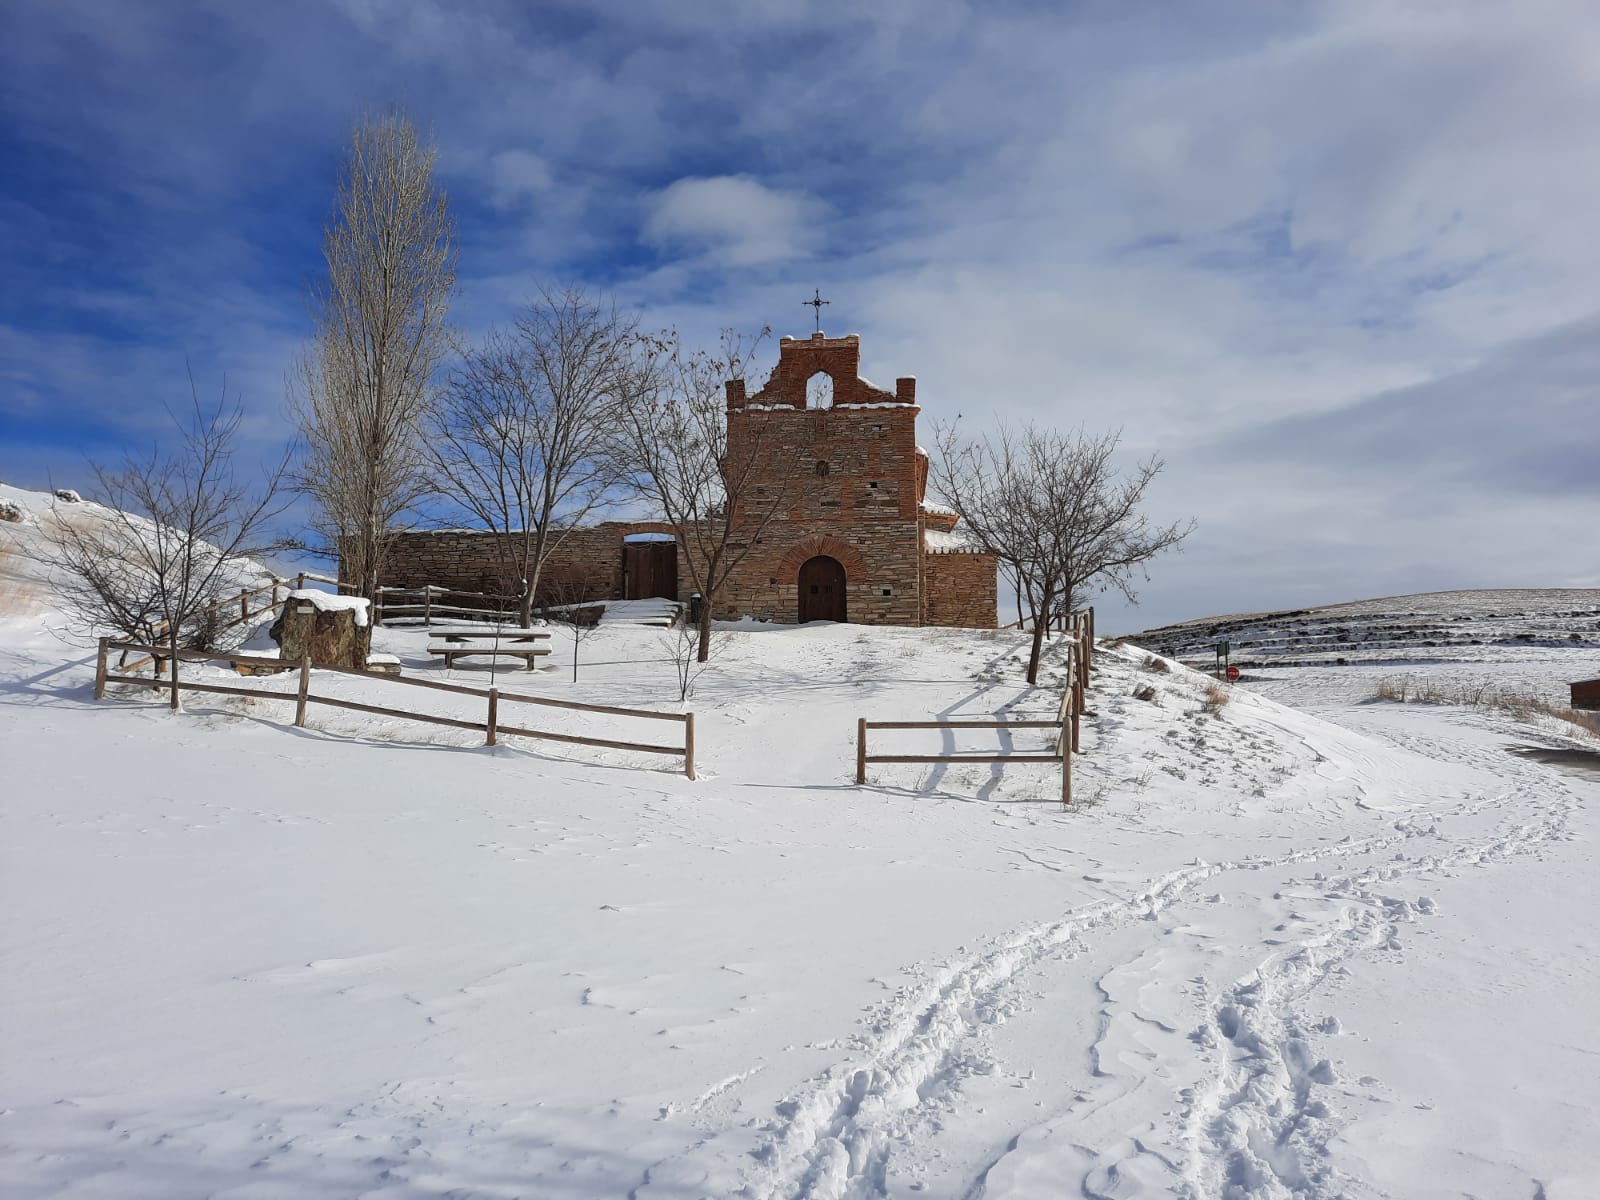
(519, 439)
(572, 597)
(1052, 507)
(368, 377)
(686, 645)
(175, 532)
(718, 494)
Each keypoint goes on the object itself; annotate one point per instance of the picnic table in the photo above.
(451, 644)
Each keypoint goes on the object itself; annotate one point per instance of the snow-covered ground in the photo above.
(1301, 945)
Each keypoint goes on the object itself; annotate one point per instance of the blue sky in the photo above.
(1334, 261)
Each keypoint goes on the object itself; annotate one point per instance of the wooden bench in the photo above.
(461, 647)
(489, 634)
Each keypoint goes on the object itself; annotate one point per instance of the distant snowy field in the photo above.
(1309, 946)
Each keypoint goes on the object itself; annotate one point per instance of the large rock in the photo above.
(333, 630)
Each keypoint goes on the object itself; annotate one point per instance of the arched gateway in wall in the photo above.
(822, 590)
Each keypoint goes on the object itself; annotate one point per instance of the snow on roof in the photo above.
(649, 537)
(328, 602)
(933, 506)
(958, 541)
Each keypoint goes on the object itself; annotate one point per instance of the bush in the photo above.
(1159, 665)
(10, 510)
(68, 496)
(1216, 697)
(1146, 692)
(1481, 694)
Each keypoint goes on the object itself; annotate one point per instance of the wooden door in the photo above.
(651, 569)
(822, 595)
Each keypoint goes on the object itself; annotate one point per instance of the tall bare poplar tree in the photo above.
(1055, 511)
(368, 377)
(520, 439)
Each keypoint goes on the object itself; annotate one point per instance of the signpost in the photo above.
(1222, 661)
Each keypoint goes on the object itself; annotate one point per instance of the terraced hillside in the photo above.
(1455, 626)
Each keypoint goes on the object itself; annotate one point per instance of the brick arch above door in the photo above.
(816, 544)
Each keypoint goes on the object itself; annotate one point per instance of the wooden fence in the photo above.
(224, 609)
(429, 601)
(1079, 628)
(491, 725)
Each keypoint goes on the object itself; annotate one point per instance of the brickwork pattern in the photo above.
(960, 589)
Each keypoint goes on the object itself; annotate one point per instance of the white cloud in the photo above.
(733, 220)
(516, 177)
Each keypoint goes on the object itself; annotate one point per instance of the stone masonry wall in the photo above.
(587, 563)
(960, 589)
(845, 484)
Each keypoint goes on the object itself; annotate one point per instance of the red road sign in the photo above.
(1233, 674)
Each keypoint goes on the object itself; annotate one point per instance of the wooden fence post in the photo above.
(861, 750)
(494, 712)
(1066, 761)
(427, 606)
(174, 701)
(100, 671)
(301, 585)
(244, 605)
(305, 688)
(688, 745)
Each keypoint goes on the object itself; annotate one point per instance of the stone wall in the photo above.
(586, 565)
(960, 588)
(843, 483)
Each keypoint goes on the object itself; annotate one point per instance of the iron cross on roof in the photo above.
(816, 302)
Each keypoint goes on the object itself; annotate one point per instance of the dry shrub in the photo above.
(1216, 697)
(1146, 692)
(1482, 694)
(10, 510)
(1159, 665)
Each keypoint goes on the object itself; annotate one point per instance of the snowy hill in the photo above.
(1286, 944)
(1430, 627)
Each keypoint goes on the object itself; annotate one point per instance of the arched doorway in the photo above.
(822, 595)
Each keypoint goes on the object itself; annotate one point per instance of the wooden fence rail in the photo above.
(1079, 627)
(303, 697)
(430, 601)
(246, 613)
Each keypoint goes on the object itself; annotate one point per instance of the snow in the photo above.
(649, 537)
(955, 541)
(1306, 946)
(328, 602)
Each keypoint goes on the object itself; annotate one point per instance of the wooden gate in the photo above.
(822, 596)
(651, 569)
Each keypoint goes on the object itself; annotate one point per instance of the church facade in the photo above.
(846, 532)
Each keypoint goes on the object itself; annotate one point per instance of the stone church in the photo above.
(854, 537)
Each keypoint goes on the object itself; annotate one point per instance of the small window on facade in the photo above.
(873, 483)
(761, 491)
(822, 468)
(888, 591)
